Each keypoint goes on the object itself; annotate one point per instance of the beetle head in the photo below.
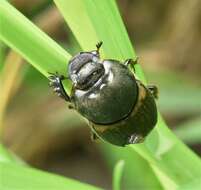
(85, 69)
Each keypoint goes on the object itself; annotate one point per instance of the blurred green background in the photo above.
(41, 130)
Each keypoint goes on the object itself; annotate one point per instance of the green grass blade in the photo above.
(73, 11)
(192, 185)
(29, 41)
(135, 167)
(162, 149)
(17, 177)
(2, 54)
(190, 132)
(172, 86)
(117, 175)
(8, 157)
(5, 155)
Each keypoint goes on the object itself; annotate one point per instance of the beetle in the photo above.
(119, 108)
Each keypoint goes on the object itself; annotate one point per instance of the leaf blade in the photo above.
(30, 42)
(117, 174)
(18, 177)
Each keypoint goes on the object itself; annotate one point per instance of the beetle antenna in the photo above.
(98, 45)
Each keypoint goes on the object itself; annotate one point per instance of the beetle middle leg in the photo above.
(154, 90)
(56, 84)
(132, 62)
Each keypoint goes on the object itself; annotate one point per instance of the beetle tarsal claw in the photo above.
(98, 45)
(135, 138)
(154, 90)
(70, 106)
(57, 89)
(94, 137)
(50, 84)
(128, 62)
(51, 78)
(56, 83)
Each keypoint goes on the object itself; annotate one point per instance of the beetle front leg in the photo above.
(98, 45)
(56, 84)
(96, 52)
(154, 90)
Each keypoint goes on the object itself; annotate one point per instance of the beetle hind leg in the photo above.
(94, 137)
(154, 90)
(135, 138)
(56, 84)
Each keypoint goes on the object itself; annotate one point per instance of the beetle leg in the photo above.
(135, 138)
(131, 61)
(154, 90)
(94, 137)
(96, 52)
(56, 84)
(98, 45)
(70, 106)
(128, 62)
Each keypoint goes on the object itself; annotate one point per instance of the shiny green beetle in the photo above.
(119, 108)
